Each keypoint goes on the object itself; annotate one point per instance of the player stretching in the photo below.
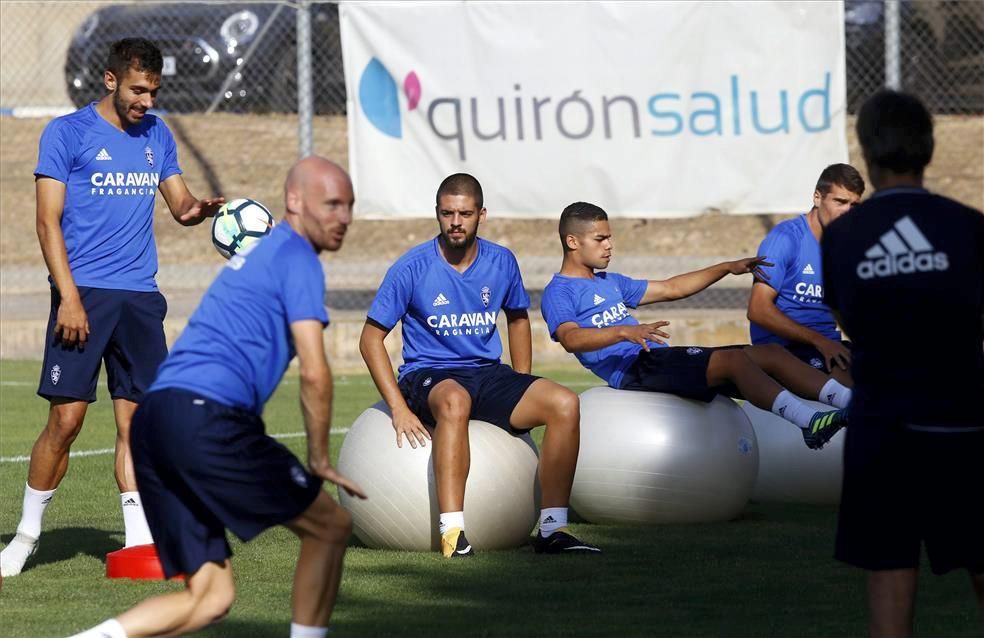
(588, 313)
(98, 171)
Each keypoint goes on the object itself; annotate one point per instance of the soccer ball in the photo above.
(239, 224)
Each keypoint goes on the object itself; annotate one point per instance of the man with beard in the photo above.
(448, 293)
(97, 174)
(788, 308)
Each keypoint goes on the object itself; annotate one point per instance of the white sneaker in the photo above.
(16, 553)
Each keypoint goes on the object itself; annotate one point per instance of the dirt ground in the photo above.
(228, 153)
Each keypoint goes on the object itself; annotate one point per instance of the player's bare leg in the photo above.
(891, 599)
(49, 463)
(49, 456)
(324, 529)
(207, 599)
(559, 409)
(800, 378)
(550, 404)
(738, 367)
(126, 478)
(451, 406)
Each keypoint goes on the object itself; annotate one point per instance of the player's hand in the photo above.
(71, 323)
(834, 353)
(646, 332)
(751, 265)
(408, 425)
(201, 209)
(324, 470)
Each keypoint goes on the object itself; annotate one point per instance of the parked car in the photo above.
(941, 48)
(218, 56)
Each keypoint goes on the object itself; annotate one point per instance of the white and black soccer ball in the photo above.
(239, 224)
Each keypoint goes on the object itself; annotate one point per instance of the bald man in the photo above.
(203, 460)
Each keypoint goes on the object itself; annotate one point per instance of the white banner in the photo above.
(648, 109)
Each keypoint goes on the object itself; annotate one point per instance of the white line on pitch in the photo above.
(109, 450)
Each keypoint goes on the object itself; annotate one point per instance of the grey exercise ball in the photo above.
(648, 457)
(790, 472)
(401, 512)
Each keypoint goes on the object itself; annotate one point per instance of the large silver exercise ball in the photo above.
(790, 472)
(401, 511)
(648, 457)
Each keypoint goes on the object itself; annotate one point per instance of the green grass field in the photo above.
(768, 574)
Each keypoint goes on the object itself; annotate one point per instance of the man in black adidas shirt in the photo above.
(905, 273)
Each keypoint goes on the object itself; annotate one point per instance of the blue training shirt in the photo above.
(600, 302)
(797, 277)
(111, 178)
(237, 344)
(449, 317)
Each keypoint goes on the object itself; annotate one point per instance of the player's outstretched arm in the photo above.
(577, 339)
(520, 340)
(405, 422)
(71, 323)
(186, 209)
(687, 284)
(762, 310)
(316, 399)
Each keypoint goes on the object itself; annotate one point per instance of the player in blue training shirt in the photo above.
(912, 456)
(788, 308)
(588, 313)
(202, 456)
(448, 293)
(97, 174)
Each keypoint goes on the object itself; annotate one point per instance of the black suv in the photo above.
(217, 56)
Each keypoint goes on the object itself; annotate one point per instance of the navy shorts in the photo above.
(903, 488)
(679, 370)
(204, 467)
(495, 390)
(126, 331)
(811, 356)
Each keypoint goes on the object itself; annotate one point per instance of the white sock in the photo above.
(35, 503)
(109, 629)
(552, 519)
(303, 631)
(450, 520)
(134, 521)
(792, 409)
(835, 393)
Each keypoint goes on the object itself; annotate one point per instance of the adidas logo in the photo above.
(903, 250)
(103, 155)
(441, 300)
(782, 412)
(46, 500)
(129, 501)
(809, 270)
(830, 398)
(548, 520)
(598, 299)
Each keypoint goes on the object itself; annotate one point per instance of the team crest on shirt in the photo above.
(694, 350)
(149, 155)
(55, 374)
(298, 475)
(817, 363)
(486, 295)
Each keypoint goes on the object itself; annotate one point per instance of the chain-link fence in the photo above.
(230, 94)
